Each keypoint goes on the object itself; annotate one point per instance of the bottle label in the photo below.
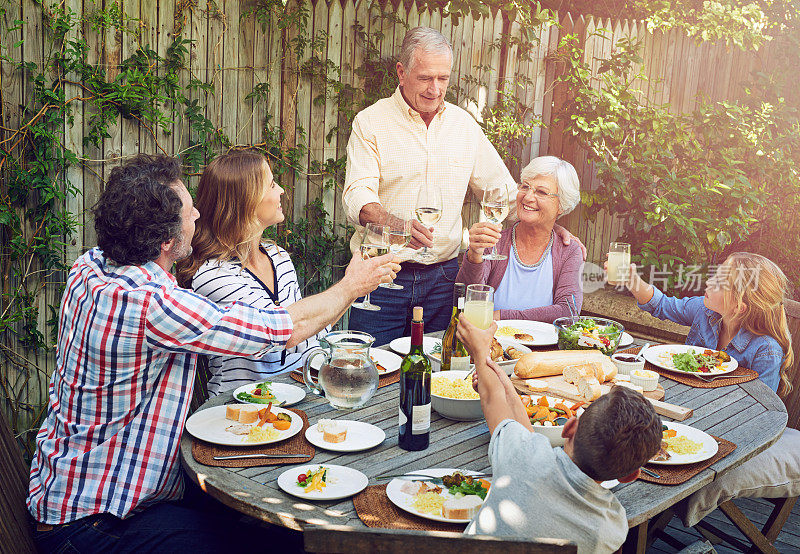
(420, 419)
(403, 418)
(459, 363)
(460, 303)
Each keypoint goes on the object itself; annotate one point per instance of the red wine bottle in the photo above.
(415, 391)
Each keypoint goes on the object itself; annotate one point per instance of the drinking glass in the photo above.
(479, 305)
(495, 210)
(398, 235)
(428, 210)
(373, 243)
(619, 263)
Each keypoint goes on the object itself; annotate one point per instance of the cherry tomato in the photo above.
(302, 477)
(257, 392)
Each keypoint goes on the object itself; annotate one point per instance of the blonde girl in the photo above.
(741, 313)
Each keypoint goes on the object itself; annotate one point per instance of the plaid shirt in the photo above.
(125, 363)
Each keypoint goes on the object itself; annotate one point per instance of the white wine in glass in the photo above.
(373, 244)
(495, 210)
(479, 305)
(428, 211)
(398, 235)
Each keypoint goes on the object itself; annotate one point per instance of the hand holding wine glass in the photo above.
(482, 235)
(428, 211)
(495, 209)
(397, 233)
(373, 244)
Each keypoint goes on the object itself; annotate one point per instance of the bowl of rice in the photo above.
(453, 397)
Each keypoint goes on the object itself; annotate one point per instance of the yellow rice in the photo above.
(453, 388)
(261, 434)
(428, 503)
(683, 445)
(508, 331)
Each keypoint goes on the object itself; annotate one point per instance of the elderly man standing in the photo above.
(400, 144)
(106, 474)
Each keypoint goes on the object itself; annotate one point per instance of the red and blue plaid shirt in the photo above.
(128, 339)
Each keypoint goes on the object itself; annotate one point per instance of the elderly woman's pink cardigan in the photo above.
(567, 263)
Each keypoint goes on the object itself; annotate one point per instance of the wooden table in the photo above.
(750, 415)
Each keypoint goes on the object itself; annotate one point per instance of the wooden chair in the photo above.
(201, 379)
(336, 539)
(762, 539)
(16, 534)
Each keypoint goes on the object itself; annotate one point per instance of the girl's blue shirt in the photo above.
(761, 353)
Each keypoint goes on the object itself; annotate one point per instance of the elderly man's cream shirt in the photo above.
(392, 153)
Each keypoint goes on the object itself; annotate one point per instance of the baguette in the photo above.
(462, 508)
(248, 414)
(545, 364)
(589, 388)
(574, 372)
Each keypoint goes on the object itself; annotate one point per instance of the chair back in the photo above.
(335, 539)
(792, 400)
(201, 379)
(16, 534)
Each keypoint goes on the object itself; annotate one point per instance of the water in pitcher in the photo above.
(347, 382)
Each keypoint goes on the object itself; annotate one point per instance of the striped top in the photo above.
(128, 339)
(225, 282)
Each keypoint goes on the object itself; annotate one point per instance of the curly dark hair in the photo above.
(139, 211)
(616, 435)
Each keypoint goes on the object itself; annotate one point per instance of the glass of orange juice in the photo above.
(479, 305)
(619, 262)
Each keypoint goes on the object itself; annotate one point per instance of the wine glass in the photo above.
(495, 209)
(398, 235)
(428, 210)
(479, 305)
(373, 244)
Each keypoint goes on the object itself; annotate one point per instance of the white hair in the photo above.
(569, 188)
(422, 39)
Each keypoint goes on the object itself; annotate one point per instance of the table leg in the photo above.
(636, 543)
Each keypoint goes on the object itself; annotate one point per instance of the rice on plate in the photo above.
(452, 387)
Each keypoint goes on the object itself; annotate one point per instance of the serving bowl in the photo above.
(456, 408)
(506, 365)
(553, 433)
(578, 333)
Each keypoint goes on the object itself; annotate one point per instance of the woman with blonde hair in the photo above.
(238, 198)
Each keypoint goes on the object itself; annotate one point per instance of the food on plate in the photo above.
(332, 431)
(248, 414)
(708, 361)
(541, 413)
(261, 434)
(459, 484)
(436, 351)
(232, 412)
(239, 429)
(523, 337)
(496, 350)
(508, 331)
(449, 387)
(428, 503)
(313, 480)
(514, 354)
(537, 385)
(588, 333)
(462, 508)
(545, 364)
(261, 394)
(378, 366)
(414, 488)
(677, 444)
(662, 455)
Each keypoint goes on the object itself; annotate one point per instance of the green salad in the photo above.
(262, 394)
(588, 334)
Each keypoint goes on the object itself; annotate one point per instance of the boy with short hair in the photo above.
(540, 491)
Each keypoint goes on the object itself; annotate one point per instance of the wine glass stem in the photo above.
(366, 299)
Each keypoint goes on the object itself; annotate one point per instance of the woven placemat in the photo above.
(376, 510)
(383, 380)
(736, 377)
(675, 475)
(204, 452)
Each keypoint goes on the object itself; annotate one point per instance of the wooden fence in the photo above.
(235, 53)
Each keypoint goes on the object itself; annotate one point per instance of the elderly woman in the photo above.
(540, 276)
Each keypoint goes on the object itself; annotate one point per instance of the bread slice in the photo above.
(589, 388)
(232, 412)
(462, 508)
(537, 385)
(248, 414)
(333, 431)
(574, 372)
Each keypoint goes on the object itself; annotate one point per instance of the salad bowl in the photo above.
(589, 333)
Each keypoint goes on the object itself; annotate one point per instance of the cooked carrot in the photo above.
(543, 402)
(281, 424)
(575, 406)
(484, 483)
(262, 416)
(526, 400)
(542, 412)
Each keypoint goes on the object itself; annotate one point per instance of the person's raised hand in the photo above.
(477, 341)
(482, 235)
(364, 275)
(567, 237)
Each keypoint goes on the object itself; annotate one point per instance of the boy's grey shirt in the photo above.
(538, 491)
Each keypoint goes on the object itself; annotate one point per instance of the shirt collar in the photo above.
(408, 110)
(742, 338)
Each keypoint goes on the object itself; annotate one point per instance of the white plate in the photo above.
(661, 356)
(402, 345)
(625, 340)
(708, 450)
(360, 436)
(609, 484)
(403, 500)
(543, 333)
(286, 394)
(389, 360)
(342, 482)
(210, 424)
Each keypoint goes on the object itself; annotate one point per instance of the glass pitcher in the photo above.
(347, 376)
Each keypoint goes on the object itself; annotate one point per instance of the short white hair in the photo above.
(423, 39)
(569, 188)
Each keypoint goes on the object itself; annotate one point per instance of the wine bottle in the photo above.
(415, 391)
(454, 354)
